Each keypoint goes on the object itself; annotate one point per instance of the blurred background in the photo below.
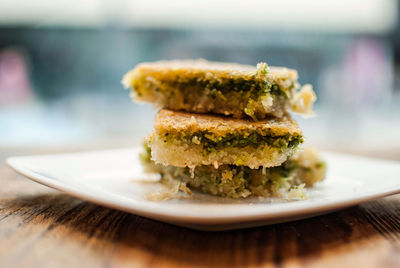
(61, 64)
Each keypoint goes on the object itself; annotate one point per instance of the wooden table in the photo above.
(40, 227)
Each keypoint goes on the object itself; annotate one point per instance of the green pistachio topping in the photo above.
(211, 143)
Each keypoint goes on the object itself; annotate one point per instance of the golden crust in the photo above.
(174, 121)
(171, 70)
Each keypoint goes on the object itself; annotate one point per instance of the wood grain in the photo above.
(40, 227)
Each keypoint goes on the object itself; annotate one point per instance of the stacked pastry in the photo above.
(225, 128)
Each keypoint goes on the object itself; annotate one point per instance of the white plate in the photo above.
(114, 179)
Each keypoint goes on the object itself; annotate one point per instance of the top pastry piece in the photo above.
(231, 89)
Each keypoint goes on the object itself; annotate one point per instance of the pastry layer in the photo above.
(201, 86)
(289, 180)
(189, 140)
